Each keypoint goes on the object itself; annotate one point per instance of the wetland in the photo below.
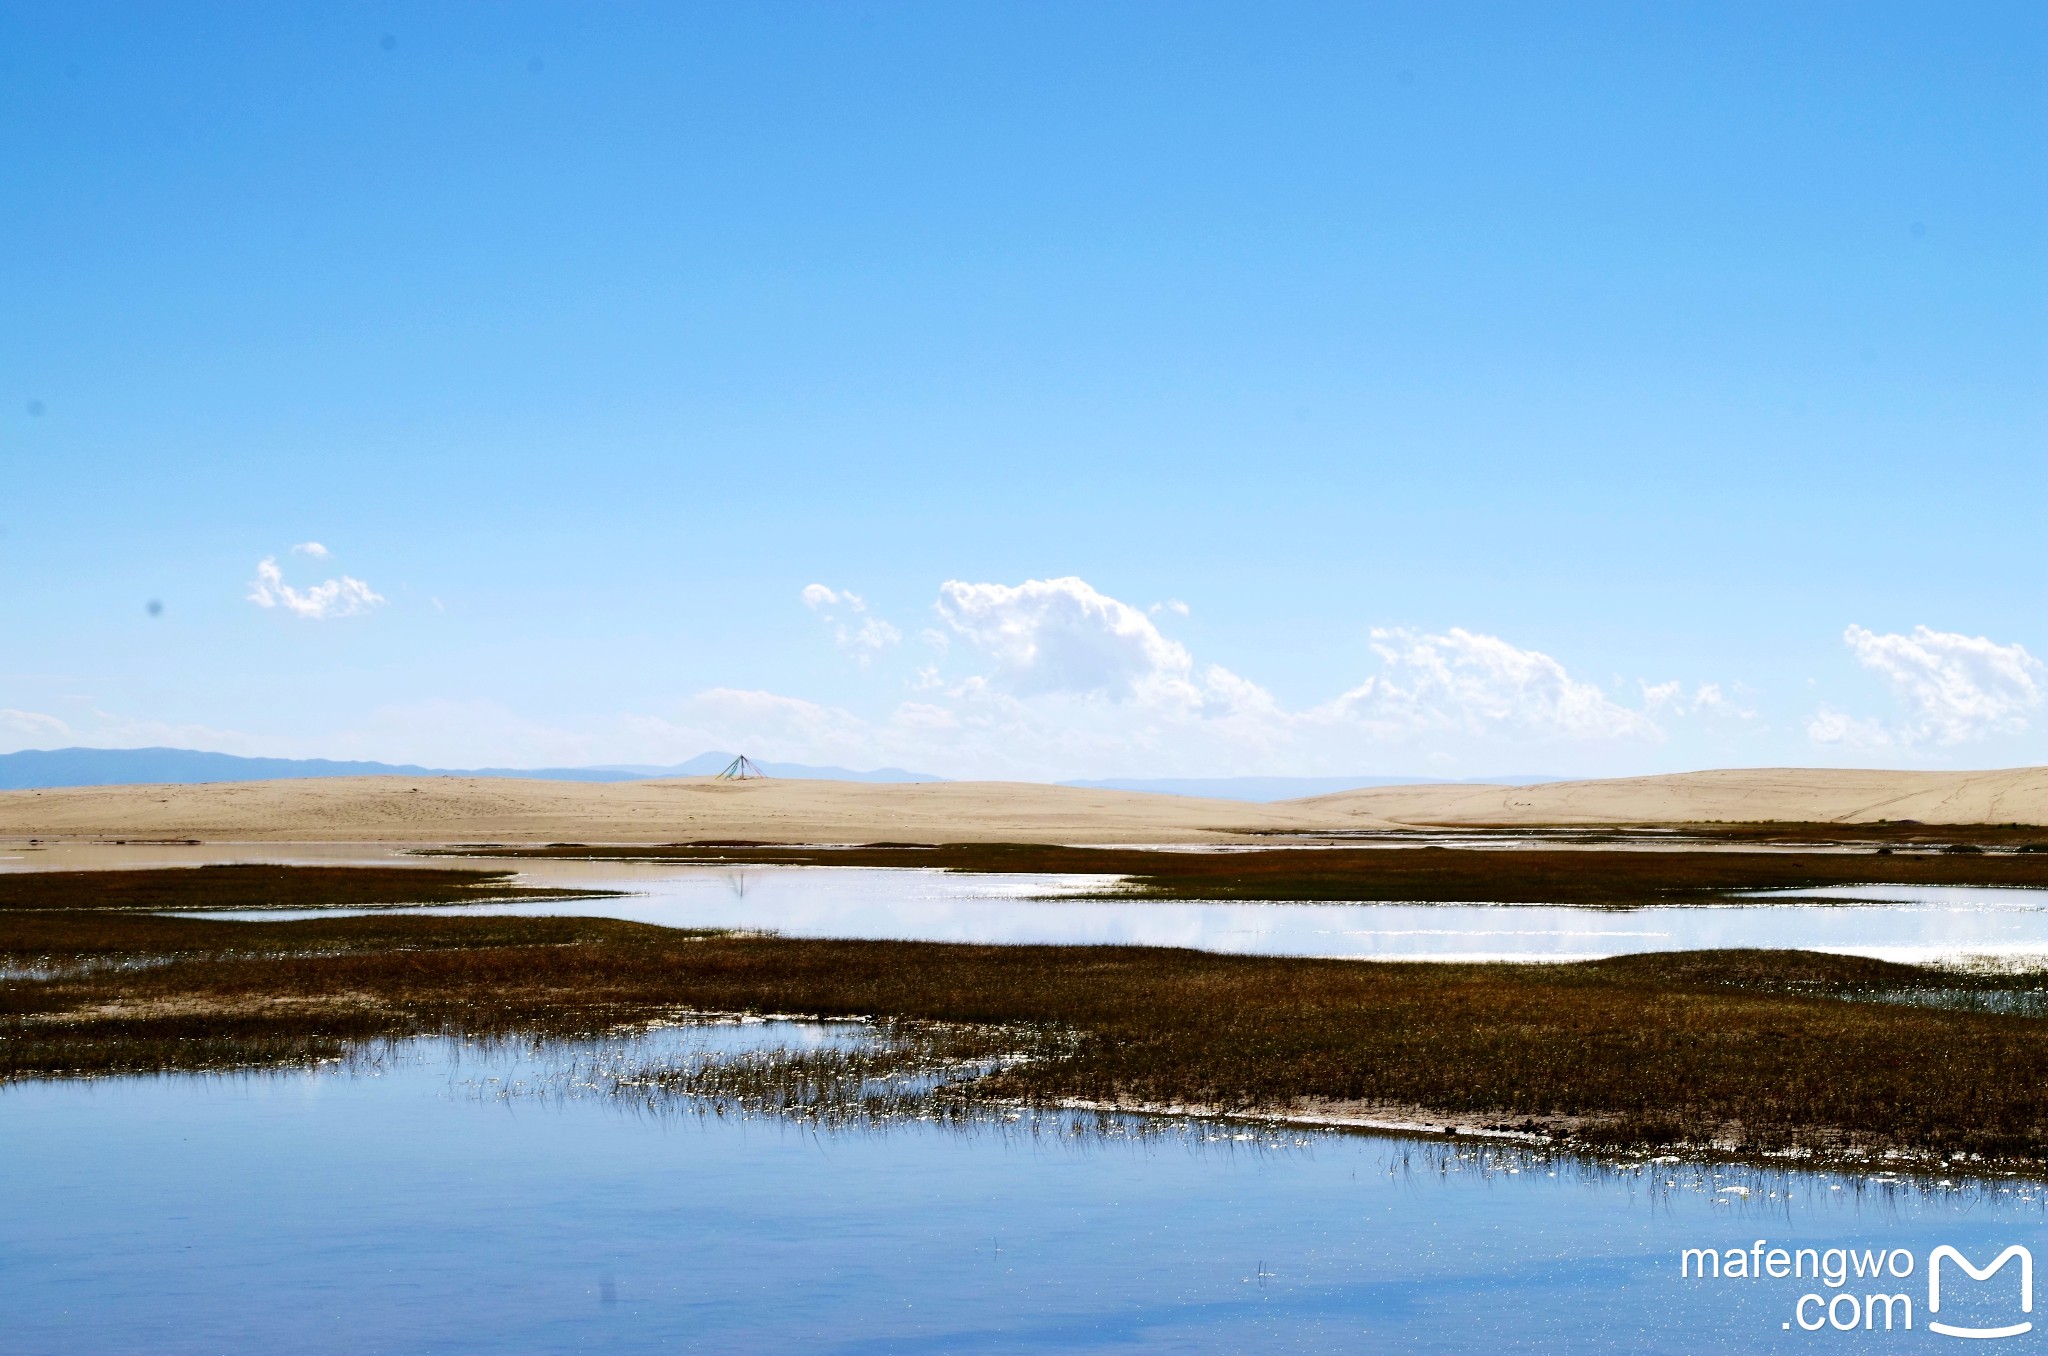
(360, 1100)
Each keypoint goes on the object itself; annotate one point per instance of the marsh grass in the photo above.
(875, 1073)
(2031, 1001)
(1752, 1051)
(246, 887)
(877, 1076)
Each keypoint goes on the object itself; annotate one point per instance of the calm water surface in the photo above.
(1907, 924)
(454, 1198)
(1902, 923)
(447, 1197)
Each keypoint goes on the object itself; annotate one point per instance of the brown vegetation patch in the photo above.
(1754, 1049)
(243, 887)
(206, 1007)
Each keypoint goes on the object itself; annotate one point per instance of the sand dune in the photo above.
(1741, 795)
(485, 809)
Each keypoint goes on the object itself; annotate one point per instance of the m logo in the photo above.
(2026, 1289)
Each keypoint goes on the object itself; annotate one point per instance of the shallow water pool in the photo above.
(446, 1197)
(1906, 924)
(1915, 924)
(1902, 923)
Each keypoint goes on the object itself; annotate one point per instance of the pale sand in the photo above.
(1735, 795)
(489, 809)
(484, 809)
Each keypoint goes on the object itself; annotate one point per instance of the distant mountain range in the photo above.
(38, 769)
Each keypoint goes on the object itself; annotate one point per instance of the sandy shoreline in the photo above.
(508, 810)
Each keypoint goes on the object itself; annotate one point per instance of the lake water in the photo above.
(448, 1197)
(1902, 923)
(1906, 924)
(456, 1198)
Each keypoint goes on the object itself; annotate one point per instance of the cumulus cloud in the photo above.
(343, 597)
(1951, 688)
(1661, 695)
(853, 630)
(1829, 726)
(1707, 699)
(1053, 677)
(32, 726)
(313, 549)
(1061, 636)
(1465, 681)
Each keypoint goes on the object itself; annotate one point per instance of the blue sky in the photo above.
(1136, 389)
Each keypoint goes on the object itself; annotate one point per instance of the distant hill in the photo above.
(1287, 788)
(37, 769)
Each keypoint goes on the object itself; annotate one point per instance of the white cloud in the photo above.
(1061, 636)
(1952, 688)
(1066, 664)
(30, 729)
(1173, 605)
(853, 630)
(313, 549)
(1053, 678)
(343, 597)
(1656, 698)
(1707, 699)
(1478, 684)
(1829, 726)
